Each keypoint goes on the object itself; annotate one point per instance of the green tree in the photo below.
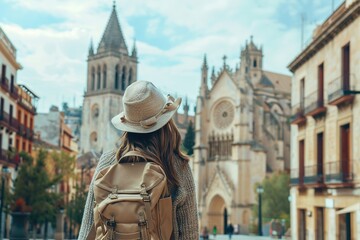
(75, 208)
(189, 140)
(35, 187)
(275, 203)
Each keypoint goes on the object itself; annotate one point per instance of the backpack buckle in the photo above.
(142, 223)
(111, 223)
(146, 198)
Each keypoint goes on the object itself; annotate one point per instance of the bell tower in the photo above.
(251, 61)
(109, 71)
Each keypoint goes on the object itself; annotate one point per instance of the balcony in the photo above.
(5, 84)
(22, 130)
(298, 116)
(4, 119)
(27, 105)
(313, 174)
(338, 172)
(294, 177)
(13, 124)
(314, 105)
(9, 157)
(14, 92)
(29, 133)
(340, 91)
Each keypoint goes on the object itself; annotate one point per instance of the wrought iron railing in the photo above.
(338, 88)
(4, 117)
(14, 123)
(14, 92)
(313, 174)
(297, 111)
(294, 177)
(5, 84)
(312, 102)
(338, 171)
(26, 104)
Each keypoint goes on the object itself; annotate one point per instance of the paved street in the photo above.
(238, 237)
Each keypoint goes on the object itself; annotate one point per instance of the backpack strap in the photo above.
(136, 154)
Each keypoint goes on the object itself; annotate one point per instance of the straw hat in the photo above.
(145, 109)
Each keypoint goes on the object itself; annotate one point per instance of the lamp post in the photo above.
(3, 172)
(259, 190)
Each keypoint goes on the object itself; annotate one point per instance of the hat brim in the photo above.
(137, 128)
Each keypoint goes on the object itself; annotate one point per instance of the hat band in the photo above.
(170, 105)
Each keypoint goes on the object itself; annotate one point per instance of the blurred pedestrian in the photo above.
(230, 230)
(205, 233)
(214, 231)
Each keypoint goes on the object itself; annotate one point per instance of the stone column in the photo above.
(332, 224)
(59, 234)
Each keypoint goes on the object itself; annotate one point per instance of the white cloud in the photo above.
(56, 54)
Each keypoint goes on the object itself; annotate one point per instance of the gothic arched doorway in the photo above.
(217, 214)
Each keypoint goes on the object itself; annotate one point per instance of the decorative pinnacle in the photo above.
(114, 4)
(205, 62)
(224, 58)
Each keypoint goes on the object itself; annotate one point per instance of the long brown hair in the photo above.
(162, 145)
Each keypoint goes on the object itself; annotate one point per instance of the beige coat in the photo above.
(185, 215)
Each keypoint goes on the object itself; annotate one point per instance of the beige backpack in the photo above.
(132, 202)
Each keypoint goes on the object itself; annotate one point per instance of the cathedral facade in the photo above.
(110, 70)
(242, 135)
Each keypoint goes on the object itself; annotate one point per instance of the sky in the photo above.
(52, 39)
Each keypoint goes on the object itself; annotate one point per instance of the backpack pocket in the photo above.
(165, 218)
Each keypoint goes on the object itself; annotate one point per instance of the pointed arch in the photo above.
(117, 76)
(92, 78)
(130, 79)
(98, 77)
(104, 75)
(255, 63)
(123, 78)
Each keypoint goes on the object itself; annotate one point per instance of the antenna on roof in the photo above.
(302, 30)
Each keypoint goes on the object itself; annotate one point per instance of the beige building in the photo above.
(110, 70)
(242, 134)
(325, 130)
(8, 101)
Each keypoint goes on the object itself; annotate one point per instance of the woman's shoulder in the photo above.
(106, 159)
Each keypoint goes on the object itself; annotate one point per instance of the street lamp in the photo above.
(259, 190)
(5, 170)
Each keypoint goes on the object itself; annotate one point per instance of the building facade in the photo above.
(110, 70)
(242, 134)
(8, 100)
(26, 111)
(325, 134)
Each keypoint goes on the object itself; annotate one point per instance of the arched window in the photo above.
(104, 76)
(117, 76)
(93, 139)
(123, 78)
(130, 76)
(95, 111)
(92, 78)
(255, 63)
(98, 77)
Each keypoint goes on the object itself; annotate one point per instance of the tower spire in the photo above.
(213, 75)
(134, 50)
(205, 62)
(204, 77)
(113, 38)
(91, 48)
